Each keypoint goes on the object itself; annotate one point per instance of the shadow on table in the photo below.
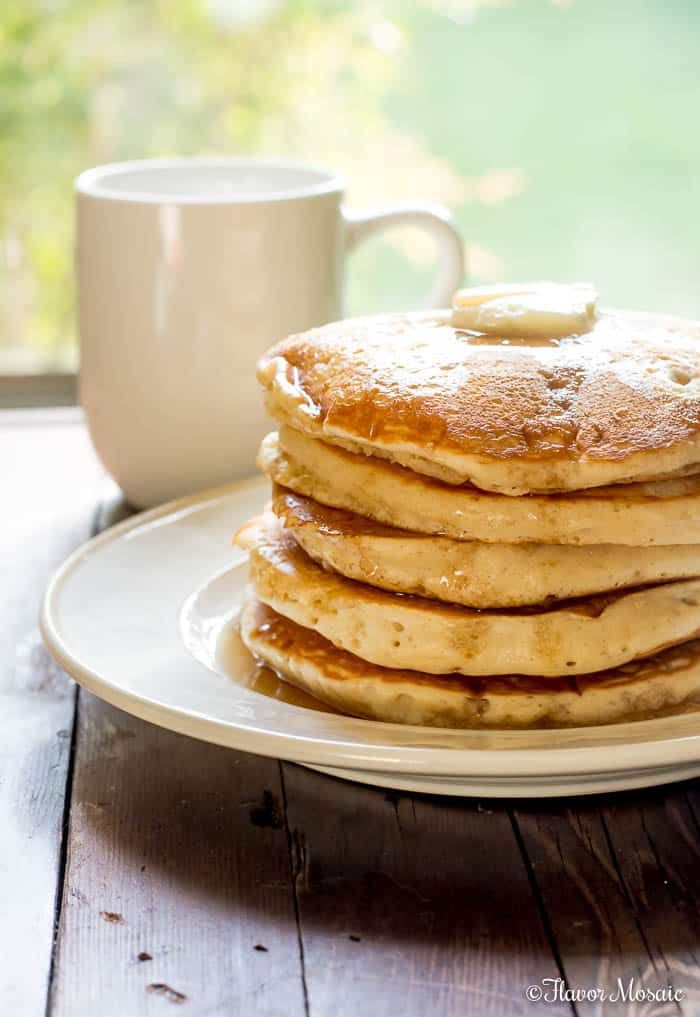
(462, 881)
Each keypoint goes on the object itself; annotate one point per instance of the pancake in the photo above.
(659, 684)
(616, 404)
(661, 513)
(578, 637)
(472, 573)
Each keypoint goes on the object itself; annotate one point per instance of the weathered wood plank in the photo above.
(50, 482)
(411, 905)
(177, 881)
(620, 878)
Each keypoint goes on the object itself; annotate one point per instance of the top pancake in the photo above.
(616, 404)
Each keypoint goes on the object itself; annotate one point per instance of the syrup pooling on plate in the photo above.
(235, 660)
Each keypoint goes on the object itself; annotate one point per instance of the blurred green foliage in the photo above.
(563, 133)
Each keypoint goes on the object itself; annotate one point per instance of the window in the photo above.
(562, 134)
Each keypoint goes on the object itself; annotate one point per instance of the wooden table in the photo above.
(141, 871)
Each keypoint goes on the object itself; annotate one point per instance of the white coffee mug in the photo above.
(188, 269)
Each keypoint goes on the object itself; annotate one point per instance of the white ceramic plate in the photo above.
(144, 616)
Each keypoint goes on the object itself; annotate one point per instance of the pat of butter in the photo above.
(534, 310)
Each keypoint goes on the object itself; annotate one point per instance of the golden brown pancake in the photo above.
(665, 512)
(616, 404)
(663, 683)
(576, 637)
(471, 572)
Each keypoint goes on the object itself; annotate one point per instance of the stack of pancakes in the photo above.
(482, 528)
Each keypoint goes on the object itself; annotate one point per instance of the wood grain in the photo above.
(620, 878)
(50, 483)
(411, 905)
(178, 855)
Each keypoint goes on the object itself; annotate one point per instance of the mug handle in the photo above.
(361, 223)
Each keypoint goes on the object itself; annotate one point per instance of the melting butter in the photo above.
(526, 311)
